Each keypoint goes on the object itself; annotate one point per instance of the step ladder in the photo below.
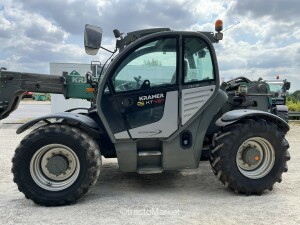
(149, 161)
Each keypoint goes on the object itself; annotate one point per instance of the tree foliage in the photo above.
(152, 62)
(293, 101)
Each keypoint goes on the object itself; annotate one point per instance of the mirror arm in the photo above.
(108, 50)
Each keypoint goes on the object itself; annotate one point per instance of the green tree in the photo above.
(152, 62)
(293, 101)
(296, 95)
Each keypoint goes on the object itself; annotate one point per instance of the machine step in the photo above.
(149, 170)
(149, 153)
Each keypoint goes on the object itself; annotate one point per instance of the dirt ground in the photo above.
(176, 197)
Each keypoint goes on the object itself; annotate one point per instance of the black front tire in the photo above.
(225, 158)
(40, 180)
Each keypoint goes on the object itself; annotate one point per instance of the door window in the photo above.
(197, 61)
(152, 65)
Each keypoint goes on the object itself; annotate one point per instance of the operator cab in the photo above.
(158, 82)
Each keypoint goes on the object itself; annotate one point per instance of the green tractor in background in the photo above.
(279, 90)
(269, 96)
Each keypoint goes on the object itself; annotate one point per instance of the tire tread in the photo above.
(224, 144)
(92, 152)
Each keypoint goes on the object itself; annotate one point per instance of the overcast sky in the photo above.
(266, 43)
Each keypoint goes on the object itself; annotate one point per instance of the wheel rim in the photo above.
(54, 167)
(255, 157)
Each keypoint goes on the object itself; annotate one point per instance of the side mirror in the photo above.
(287, 85)
(92, 39)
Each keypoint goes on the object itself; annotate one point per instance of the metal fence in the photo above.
(294, 115)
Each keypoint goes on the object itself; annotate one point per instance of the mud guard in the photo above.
(236, 115)
(78, 120)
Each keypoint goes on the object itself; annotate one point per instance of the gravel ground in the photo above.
(177, 197)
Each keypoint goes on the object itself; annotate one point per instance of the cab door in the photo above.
(158, 87)
(143, 98)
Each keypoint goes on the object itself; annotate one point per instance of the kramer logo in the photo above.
(77, 78)
(75, 73)
(151, 97)
(150, 132)
(140, 103)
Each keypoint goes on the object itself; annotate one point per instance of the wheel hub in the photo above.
(57, 165)
(54, 167)
(255, 157)
(251, 156)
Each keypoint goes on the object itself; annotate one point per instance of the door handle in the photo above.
(126, 102)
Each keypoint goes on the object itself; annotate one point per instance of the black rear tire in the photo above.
(283, 115)
(50, 147)
(226, 156)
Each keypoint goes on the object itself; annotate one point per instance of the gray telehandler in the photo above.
(153, 106)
